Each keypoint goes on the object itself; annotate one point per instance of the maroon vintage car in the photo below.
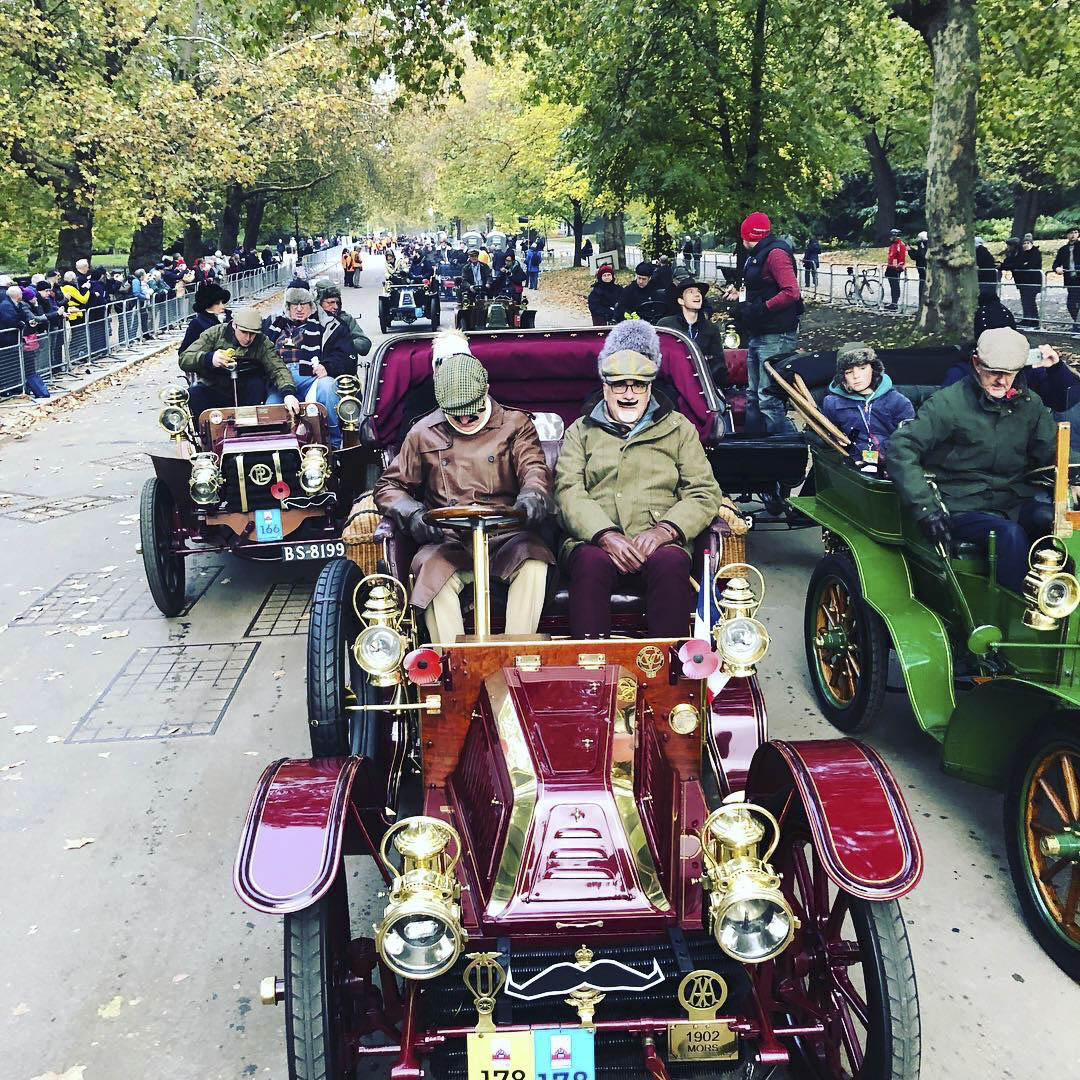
(253, 480)
(600, 864)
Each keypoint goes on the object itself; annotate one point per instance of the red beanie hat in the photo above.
(756, 227)
(604, 268)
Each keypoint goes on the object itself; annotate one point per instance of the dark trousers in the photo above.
(668, 595)
(893, 275)
(349, 279)
(250, 390)
(1014, 538)
(1072, 296)
(810, 274)
(1029, 302)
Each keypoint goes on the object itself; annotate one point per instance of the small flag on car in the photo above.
(704, 618)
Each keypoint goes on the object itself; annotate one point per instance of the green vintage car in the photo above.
(993, 676)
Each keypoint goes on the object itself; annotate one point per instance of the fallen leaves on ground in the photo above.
(23, 729)
(76, 1072)
(21, 1009)
(180, 978)
(13, 765)
(54, 738)
(115, 634)
(111, 1009)
(81, 842)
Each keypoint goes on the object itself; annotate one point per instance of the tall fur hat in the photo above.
(630, 351)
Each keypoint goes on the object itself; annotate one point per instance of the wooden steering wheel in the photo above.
(467, 518)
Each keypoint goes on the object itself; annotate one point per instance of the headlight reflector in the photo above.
(378, 650)
(755, 928)
(348, 410)
(742, 643)
(420, 944)
(314, 468)
(174, 419)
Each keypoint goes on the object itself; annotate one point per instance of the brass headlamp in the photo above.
(314, 468)
(1052, 594)
(348, 406)
(749, 916)
(420, 935)
(380, 646)
(732, 340)
(741, 639)
(175, 417)
(206, 479)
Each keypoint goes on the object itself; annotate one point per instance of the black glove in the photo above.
(421, 531)
(752, 312)
(535, 505)
(936, 528)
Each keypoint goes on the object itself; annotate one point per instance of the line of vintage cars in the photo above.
(594, 860)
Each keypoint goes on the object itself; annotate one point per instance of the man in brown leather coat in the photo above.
(470, 450)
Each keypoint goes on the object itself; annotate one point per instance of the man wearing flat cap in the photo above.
(633, 489)
(691, 321)
(470, 450)
(238, 346)
(979, 438)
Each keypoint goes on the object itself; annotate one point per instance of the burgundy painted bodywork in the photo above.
(858, 819)
(737, 724)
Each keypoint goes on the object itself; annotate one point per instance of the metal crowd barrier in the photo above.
(105, 334)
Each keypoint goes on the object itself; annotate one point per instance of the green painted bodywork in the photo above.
(905, 582)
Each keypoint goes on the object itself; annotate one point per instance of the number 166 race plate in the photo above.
(549, 1054)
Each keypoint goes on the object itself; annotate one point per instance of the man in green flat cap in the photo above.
(634, 489)
(470, 450)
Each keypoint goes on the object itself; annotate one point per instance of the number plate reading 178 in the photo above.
(702, 1040)
(548, 1054)
(329, 549)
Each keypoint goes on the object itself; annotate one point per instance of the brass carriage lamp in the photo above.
(740, 638)
(348, 407)
(175, 416)
(749, 916)
(732, 340)
(1052, 594)
(314, 468)
(206, 478)
(380, 646)
(421, 935)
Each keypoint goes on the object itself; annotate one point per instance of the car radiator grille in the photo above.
(448, 1002)
(237, 470)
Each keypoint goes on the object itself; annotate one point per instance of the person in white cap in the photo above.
(980, 437)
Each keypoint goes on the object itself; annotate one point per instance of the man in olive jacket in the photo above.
(979, 437)
(633, 489)
(241, 343)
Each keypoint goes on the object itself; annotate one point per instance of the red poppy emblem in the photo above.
(424, 667)
(280, 490)
(698, 659)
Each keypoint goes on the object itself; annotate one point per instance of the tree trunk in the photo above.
(230, 218)
(755, 120)
(1025, 210)
(76, 237)
(193, 241)
(579, 228)
(256, 207)
(885, 189)
(613, 237)
(147, 244)
(950, 30)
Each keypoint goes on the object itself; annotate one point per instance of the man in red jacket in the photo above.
(770, 316)
(895, 261)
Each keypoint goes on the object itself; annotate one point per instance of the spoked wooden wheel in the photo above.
(847, 645)
(848, 969)
(165, 572)
(1042, 831)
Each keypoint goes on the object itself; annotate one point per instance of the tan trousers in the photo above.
(525, 601)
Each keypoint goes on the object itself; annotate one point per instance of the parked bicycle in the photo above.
(865, 287)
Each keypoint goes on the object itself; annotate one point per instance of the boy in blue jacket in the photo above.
(863, 404)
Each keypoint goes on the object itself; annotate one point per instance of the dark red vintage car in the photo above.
(253, 481)
(595, 861)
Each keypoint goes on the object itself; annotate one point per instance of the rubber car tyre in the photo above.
(316, 940)
(528, 319)
(1058, 737)
(894, 1046)
(165, 574)
(851, 707)
(333, 678)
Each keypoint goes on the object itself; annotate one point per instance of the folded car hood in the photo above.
(551, 792)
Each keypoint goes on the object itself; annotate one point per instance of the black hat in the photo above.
(209, 294)
(683, 284)
(894, 232)
(645, 269)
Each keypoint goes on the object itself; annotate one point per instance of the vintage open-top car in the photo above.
(479, 312)
(990, 674)
(405, 301)
(602, 867)
(253, 481)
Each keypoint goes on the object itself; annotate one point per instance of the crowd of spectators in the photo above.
(50, 310)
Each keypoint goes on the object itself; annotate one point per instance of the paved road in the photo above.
(131, 956)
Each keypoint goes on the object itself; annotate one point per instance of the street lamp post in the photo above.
(296, 221)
